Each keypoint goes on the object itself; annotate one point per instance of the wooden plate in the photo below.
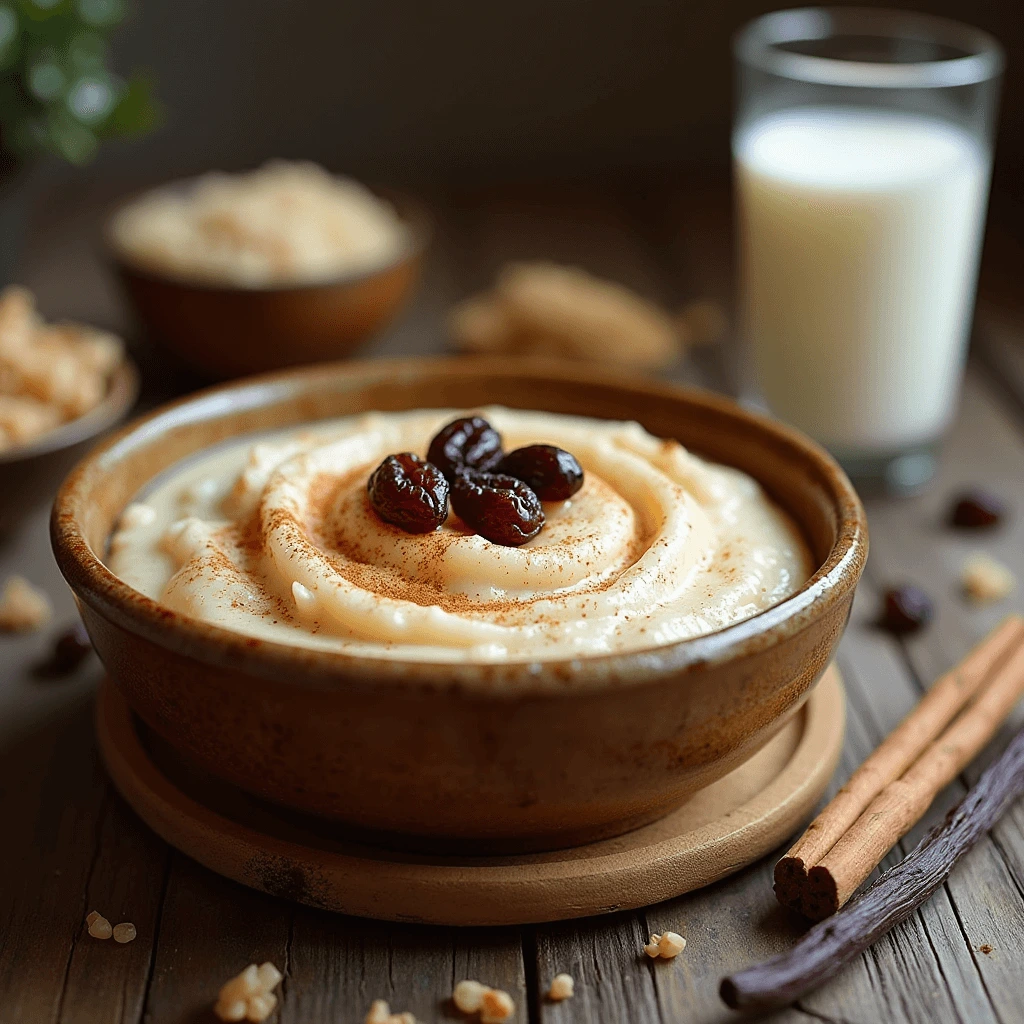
(719, 830)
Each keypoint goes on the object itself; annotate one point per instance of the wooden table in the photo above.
(70, 845)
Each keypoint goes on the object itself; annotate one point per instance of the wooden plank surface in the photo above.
(70, 845)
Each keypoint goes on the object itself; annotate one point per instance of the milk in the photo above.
(860, 233)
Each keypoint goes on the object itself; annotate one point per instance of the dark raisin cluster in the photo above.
(499, 495)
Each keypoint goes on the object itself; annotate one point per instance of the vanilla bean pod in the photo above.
(891, 899)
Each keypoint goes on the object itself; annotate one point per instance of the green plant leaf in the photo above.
(101, 13)
(137, 110)
(70, 140)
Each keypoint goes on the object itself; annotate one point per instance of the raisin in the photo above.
(500, 508)
(974, 509)
(553, 474)
(71, 649)
(467, 443)
(905, 610)
(409, 493)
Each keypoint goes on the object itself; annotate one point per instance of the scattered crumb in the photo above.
(666, 946)
(468, 996)
(496, 1006)
(23, 607)
(493, 1005)
(985, 948)
(247, 996)
(562, 987)
(986, 580)
(380, 1013)
(124, 932)
(98, 926)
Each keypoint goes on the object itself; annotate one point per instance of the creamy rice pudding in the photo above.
(275, 538)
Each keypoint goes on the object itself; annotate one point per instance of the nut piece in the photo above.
(231, 1011)
(379, 1013)
(666, 946)
(671, 944)
(269, 976)
(562, 987)
(493, 1004)
(243, 985)
(468, 996)
(496, 1006)
(248, 995)
(124, 932)
(98, 926)
(23, 607)
(260, 1007)
(986, 580)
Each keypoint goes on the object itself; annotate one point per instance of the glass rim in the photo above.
(757, 44)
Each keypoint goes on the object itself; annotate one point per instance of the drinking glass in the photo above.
(862, 152)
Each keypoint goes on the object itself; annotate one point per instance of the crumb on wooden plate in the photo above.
(493, 1004)
(666, 945)
(23, 607)
(124, 932)
(562, 987)
(986, 580)
(985, 948)
(249, 995)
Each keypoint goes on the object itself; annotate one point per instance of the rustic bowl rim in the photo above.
(118, 602)
(122, 391)
(413, 212)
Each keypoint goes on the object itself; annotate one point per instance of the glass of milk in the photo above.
(862, 152)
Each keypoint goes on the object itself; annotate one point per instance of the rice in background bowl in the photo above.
(282, 224)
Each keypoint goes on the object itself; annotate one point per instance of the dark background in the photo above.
(463, 90)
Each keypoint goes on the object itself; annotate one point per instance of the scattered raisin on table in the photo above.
(409, 493)
(553, 474)
(466, 443)
(500, 508)
(906, 609)
(977, 508)
(71, 649)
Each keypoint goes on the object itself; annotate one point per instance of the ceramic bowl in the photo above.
(31, 474)
(224, 331)
(497, 756)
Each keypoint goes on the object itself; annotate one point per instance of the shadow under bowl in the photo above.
(224, 331)
(491, 757)
(31, 474)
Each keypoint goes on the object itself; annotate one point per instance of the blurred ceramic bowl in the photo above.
(30, 474)
(231, 330)
(517, 755)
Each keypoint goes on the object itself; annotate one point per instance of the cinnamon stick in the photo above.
(892, 898)
(893, 757)
(902, 803)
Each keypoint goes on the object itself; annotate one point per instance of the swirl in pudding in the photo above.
(277, 539)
